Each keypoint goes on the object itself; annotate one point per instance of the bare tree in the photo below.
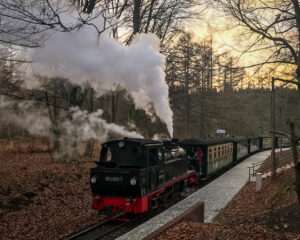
(29, 23)
(188, 73)
(162, 17)
(273, 27)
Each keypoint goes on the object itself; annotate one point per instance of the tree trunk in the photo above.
(150, 15)
(90, 144)
(136, 16)
(52, 112)
(89, 148)
(294, 141)
(297, 17)
(298, 76)
(56, 137)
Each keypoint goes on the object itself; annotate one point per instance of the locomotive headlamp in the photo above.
(93, 179)
(121, 144)
(133, 181)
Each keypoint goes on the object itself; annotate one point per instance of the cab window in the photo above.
(160, 155)
(153, 156)
(108, 155)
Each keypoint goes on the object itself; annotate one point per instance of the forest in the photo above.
(58, 83)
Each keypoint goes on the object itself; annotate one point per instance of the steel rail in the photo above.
(95, 231)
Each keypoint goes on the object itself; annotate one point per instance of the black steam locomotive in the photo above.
(133, 174)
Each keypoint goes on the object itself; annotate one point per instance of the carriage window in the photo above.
(223, 151)
(219, 152)
(209, 154)
(215, 153)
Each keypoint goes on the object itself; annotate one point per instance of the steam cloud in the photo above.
(77, 127)
(81, 57)
(81, 126)
(25, 115)
(86, 126)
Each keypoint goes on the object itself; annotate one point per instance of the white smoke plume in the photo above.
(159, 136)
(82, 126)
(84, 57)
(81, 57)
(25, 115)
(81, 123)
(87, 126)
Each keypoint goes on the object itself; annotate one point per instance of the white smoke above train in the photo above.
(103, 62)
(85, 57)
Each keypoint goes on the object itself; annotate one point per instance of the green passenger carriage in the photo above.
(217, 153)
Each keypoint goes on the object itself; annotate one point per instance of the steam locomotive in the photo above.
(134, 174)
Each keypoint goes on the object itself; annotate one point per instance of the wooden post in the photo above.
(258, 182)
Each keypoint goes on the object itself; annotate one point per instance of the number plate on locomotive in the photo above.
(113, 179)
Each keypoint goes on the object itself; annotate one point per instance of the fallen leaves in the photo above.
(42, 199)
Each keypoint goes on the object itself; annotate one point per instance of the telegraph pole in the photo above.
(274, 163)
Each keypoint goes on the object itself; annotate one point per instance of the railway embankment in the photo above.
(272, 213)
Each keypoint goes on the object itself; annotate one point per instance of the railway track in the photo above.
(95, 231)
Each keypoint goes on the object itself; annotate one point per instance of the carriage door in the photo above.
(155, 160)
